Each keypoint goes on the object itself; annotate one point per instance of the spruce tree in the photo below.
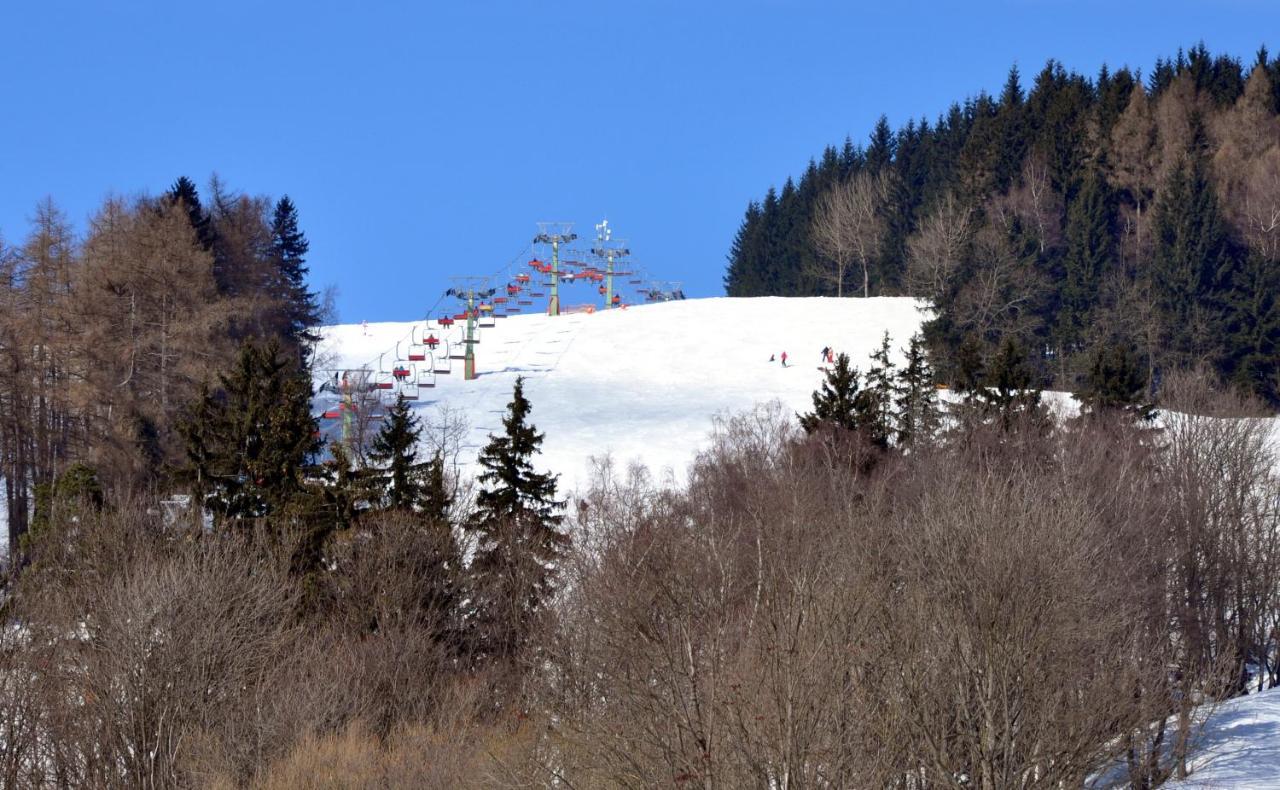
(1115, 384)
(516, 525)
(395, 450)
(874, 404)
(1090, 254)
(1009, 389)
(184, 193)
(288, 251)
(916, 396)
(249, 441)
(835, 402)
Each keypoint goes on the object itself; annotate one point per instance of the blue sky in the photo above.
(424, 140)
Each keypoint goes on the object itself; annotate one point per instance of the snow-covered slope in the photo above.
(641, 383)
(1239, 746)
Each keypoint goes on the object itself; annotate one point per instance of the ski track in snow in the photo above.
(640, 384)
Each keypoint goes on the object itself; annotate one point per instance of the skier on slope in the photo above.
(826, 353)
(784, 359)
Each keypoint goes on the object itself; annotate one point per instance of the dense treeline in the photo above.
(107, 339)
(1078, 218)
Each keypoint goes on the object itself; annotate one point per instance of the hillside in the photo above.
(642, 383)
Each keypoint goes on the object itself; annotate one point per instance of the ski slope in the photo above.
(1239, 746)
(640, 384)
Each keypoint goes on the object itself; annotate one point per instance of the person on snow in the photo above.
(773, 357)
(826, 353)
(784, 359)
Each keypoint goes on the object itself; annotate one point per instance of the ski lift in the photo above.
(521, 278)
(445, 321)
(512, 290)
(401, 372)
(538, 294)
(427, 377)
(499, 300)
(417, 352)
(431, 341)
(381, 380)
(617, 300)
(602, 290)
(441, 361)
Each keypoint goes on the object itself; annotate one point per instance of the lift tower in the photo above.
(610, 253)
(469, 289)
(555, 234)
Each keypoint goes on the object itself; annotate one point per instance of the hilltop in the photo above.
(639, 384)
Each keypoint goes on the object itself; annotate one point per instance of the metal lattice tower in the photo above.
(610, 252)
(470, 289)
(555, 234)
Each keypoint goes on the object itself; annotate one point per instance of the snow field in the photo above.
(640, 384)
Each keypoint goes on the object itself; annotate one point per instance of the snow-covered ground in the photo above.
(639, 384)
(1239, 746)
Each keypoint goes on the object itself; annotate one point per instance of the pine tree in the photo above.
(1009, 390)
(516, 525)
(1115, 383)
(248, 442)
(874, 404)
(288, 251)
(395, 449)
(916, 397)
(1091, 253)
(1190, 259)
(835, 402)
(184, 193)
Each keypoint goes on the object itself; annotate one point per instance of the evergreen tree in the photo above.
(184, 193)
(288, 251)
(249, 441)
(1191, 257)
(1009, 389)
(1115, 383)
(1090, 254)
(516, 525)
(835, 402)
(874, 404)
(395, 450)
(916, 396)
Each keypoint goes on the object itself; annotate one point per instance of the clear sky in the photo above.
(422, 140)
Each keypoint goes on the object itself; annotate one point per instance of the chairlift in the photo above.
(427, 377)
(441, 361)
(521, 278)
(417, 352)
(445, 321)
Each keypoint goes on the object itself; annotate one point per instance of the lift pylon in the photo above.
(555, 234)
(610, 252)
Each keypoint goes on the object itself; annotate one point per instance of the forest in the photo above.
(1121, 214)
(894, 588)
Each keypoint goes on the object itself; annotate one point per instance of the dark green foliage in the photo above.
(249, 441)
(1190, 260)
(288, 251)
(74, 493)
(1064, 251)
(516, 525)
(916, 397)
(184, 192)
(835, 402)
(875, 403)
(1116, 382)
(1090, 254)
(1009, 392)
(395, 450)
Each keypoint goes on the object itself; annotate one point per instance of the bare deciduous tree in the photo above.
(848, 228)
(936, 249)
